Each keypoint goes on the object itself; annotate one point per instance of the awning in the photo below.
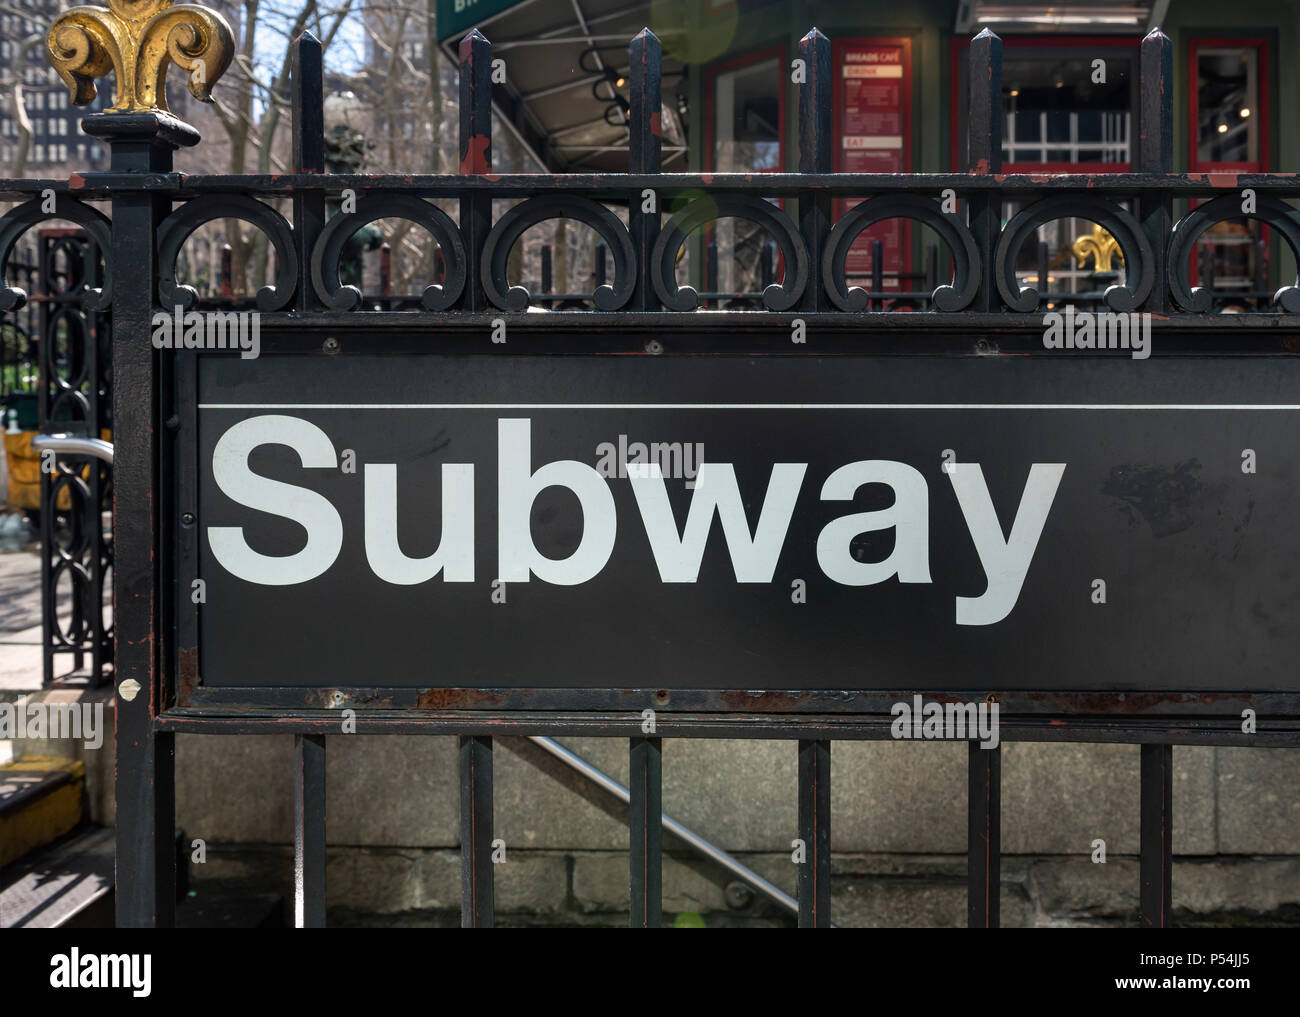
(566, 92)
(1095, 16)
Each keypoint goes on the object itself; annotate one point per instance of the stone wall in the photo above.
(898, 830)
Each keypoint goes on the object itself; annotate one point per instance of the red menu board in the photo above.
(873, 86)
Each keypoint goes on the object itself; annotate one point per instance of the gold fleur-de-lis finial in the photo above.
(1101, 246)
(137, 39)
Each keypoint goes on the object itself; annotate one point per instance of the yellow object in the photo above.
(136, 40)
(41, 818)
(1101, 246)
(24, 464)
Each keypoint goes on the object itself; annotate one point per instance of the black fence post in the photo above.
(143, 527)
(475, 158)
(476, 885)
(307, 95)
(814, 881)
(309, 831)
(815, 157)
(983, 836)
(1157, 859)
(985, 156)
(1155, 154)
(645, 831)
(645, 151)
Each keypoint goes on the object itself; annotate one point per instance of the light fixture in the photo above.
(1223, 128)
(1015, 92)
(1245, 112)
(1060, 84)
(620, 82)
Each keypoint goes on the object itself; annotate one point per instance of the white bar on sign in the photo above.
(884, 141)
(874, 71)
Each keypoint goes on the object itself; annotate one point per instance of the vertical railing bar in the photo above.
(985, 123)
(309, 831)
(877, 275)
(476, 885)
(475, 158)
(983, 836)
(815, 834)
(645, 150)
(645, 831)
(711, 272)
(815, 157)
(1155, 154)
(145, 759)
(48, 375)
(307, 99)
(1157, 857)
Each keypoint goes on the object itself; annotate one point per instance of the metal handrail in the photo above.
(74, 445)
(682, 833)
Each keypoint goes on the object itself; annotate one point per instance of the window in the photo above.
(746, 122)
(1227, 114)
(1228, 131)
(747, 113)
(1068, 106)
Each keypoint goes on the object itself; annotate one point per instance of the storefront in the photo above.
(1070, 92)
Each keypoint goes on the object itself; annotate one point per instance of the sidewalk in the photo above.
(20, 622)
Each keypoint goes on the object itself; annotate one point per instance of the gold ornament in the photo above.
(1101, 246)
(137, 39)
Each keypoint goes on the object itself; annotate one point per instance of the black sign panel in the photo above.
(1069, 522)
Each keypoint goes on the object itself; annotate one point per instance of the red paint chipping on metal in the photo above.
(1222, 179)
(475, 160)
(76, 181)
(656, 124)
(187, 673)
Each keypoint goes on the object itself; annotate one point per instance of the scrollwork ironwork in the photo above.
(515, 222)
(329, 249)
(181, 224)
(954, 233)
(1139, 259)
(663, 260)
(1270, 211)
(19, 220)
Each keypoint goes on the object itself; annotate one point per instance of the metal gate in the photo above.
(308, 318)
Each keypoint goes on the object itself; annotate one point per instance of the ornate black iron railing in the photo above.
(977, 305)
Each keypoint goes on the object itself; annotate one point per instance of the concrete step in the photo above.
(67, 884)
(41, 799)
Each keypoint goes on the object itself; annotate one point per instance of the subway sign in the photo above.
(1076, 522)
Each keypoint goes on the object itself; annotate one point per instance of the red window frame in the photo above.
(958, 46)
(1194, 47)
